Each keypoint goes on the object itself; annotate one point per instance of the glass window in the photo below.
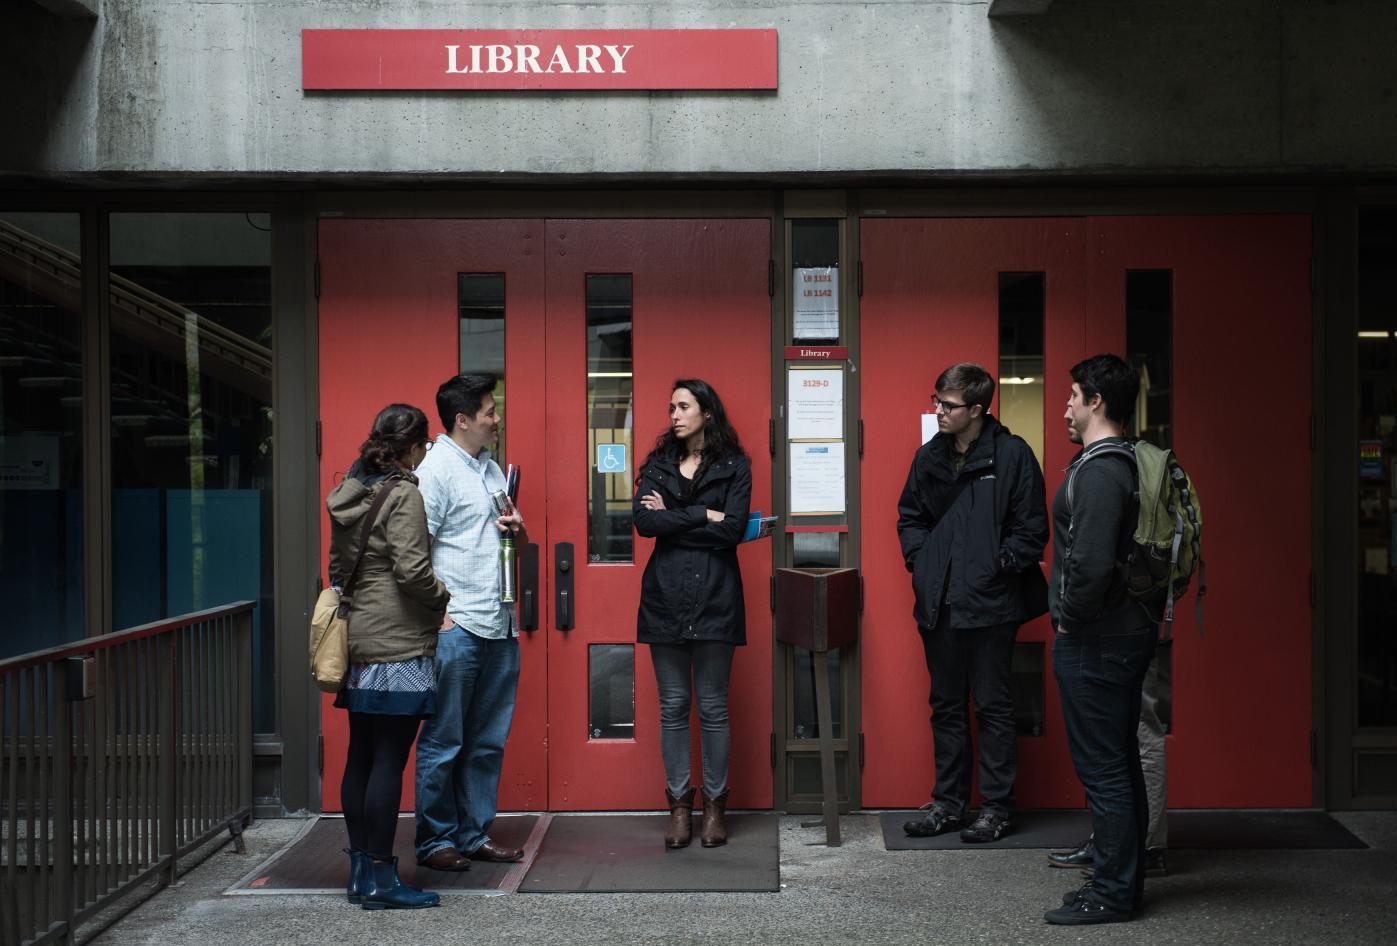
(1376, 686)
(806, 719)
(1149, 342)
(480, 297)
(41, 431)
(1021, 305)
(611, 691)
(609, 445)
(815, 281)
(191, 414)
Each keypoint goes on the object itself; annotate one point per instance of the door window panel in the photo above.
(41, 426)
(609, 445)
(1021, 304)
(611, 691)
(480, 302)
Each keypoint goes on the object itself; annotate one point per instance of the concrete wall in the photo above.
(160, 88)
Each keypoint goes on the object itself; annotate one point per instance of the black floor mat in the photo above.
(626, 853)
(1031, 829)
(316, 861)
(1216, 830)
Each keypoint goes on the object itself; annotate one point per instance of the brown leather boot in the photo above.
(681, 819)
(714, 830)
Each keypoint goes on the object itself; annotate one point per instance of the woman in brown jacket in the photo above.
(397, 607)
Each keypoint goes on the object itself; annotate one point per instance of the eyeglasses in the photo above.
(945, 407)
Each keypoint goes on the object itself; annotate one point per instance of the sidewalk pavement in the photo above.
(855, 894)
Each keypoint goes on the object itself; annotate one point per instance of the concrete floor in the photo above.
(858, 893)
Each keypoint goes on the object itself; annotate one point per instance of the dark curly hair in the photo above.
(396, 430)
(720, 441)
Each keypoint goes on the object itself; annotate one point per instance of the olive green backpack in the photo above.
(1166, 550)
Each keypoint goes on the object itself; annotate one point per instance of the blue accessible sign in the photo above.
(611, 457)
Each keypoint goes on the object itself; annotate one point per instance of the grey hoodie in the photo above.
(398, 601)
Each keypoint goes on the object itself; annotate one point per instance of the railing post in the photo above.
(63, 802)
(167, 679)
(244, 723)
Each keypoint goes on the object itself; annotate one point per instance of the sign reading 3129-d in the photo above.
(538, 59)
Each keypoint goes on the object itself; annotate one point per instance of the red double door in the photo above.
(1239, 310)
(392, 308)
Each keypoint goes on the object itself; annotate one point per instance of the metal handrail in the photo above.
(121, 754)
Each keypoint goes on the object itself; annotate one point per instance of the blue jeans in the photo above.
(709, 663)
(461, 751)
(1099, 679)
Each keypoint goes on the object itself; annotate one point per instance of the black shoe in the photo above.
(1084, 911)
(1084, 856)
(1155, 865)
(1072, 896)
(936, 821)
(987, 826)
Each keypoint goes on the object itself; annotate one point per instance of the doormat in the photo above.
(1188, 830)
(314, 861)
(1058, 830)
(627, 854)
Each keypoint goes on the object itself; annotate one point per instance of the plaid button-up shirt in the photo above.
(456, 490)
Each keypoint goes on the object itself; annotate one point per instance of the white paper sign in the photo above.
(817, 478)
(29, 461)
(929, 427)
(815, 403)
(815, 291)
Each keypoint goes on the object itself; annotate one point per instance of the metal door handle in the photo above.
(528, 587)
(562, 584)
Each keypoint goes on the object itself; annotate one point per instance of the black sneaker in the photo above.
(987, 826)
(936, 821)
(1072, 896)
(1083, 856)
(1155, 865)
(1084, 911)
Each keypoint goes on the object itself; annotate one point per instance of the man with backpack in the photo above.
(973, 525)
(1106, 636)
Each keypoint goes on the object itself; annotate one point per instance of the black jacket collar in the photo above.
(981, 452)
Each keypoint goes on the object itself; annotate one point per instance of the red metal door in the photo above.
(1241, 694)
(389, 332)
(930, 300)
(700, 309)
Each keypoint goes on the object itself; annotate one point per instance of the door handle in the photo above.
(528, 587)
(562, 587)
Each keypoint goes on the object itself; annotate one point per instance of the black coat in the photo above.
(983, 532)
(692, 588)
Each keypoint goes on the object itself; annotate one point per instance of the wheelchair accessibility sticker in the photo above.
(611, 458)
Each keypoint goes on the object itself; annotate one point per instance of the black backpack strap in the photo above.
(369, 518)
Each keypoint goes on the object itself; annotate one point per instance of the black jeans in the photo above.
(1099, 679)
(974, 662)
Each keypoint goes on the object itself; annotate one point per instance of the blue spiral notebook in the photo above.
(759, 526)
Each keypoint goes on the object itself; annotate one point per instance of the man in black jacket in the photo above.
(1105, 638)
(973, 525)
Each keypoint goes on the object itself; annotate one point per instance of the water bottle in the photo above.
(502, 506)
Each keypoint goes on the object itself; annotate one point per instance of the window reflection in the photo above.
(1021, 307)
(480, 299)
(610, 457)
(611, 691)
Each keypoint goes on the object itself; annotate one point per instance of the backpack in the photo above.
(1166, 548)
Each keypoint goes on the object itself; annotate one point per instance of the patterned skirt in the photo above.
(399, 688)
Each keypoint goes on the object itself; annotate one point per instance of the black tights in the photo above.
(373, 779)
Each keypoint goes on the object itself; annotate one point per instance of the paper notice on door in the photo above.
(815, 292)
(817, 479)
(815, 403)
(929, 427)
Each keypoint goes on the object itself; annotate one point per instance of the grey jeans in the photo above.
(1153, 761)
(684, 671)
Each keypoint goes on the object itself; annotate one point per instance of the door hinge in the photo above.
(861, 753)
(319, 436)
(860, 279)
(320, 753)
(317, 278)
(773, 594)
(773, 750)
(771, 278)
(1314, 749)
(860, 438)
(771, 436)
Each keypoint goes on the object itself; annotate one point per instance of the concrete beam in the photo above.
(73, 9)
(1019, 7)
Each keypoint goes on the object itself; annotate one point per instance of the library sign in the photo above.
(539, 60)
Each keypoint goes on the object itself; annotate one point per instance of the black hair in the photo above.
(396, 430)
(972, 380)
(720, 440)
(462, 394)
(1117, 382)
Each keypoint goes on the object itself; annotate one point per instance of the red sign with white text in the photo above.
(538, 59)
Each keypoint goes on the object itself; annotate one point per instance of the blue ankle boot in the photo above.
(383, 890)
(358, 862)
